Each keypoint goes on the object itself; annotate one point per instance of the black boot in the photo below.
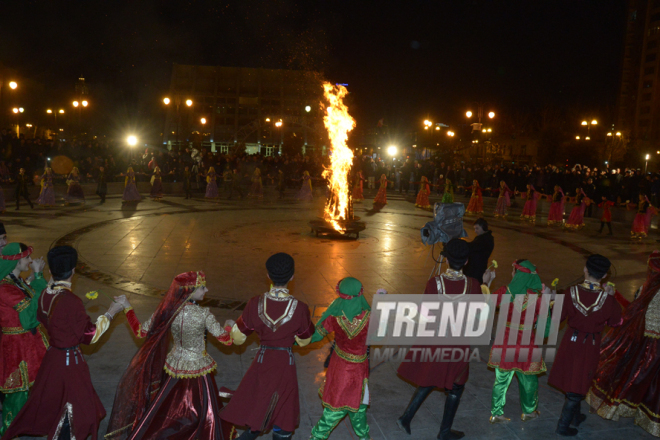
(249, 435)
(609, 226)
(451, 405)
(567, 414)
(578, 417)
(421, 393)
(282, 435)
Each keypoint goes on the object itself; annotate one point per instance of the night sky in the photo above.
(403, 60)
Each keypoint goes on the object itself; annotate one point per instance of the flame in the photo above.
(338, 123)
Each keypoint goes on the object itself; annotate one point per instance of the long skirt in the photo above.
(305, 193)
(358, 193)
(47, 196)
(476, 205)
(556, 214)
(500, 209)
(641, 225)
(157, 189)
(422, 200)
(257, 190)
(529, 210)
(211, 190)
(131, 193)
(576, 219)
(184, 409)
(381, 197)
(75, 194)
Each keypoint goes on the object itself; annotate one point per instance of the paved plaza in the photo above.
(137, 250)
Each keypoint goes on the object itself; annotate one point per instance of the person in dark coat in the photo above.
(101, 185)
(480, 249)
(22, 188)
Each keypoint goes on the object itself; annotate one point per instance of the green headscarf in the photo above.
(8, 266)
(522, 281)
(344, 306)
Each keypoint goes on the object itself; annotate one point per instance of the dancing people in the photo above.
(529, 210)
(427, 375)
(606, 218)
(305, 193)
(626, 380)
(74, 192)
(503, 200)
(423, 194)
(211, 184)
(476, 204)
(131, 193)
(525, 285)
(267, 397)
(157, 185)
(257, 189)
(63, 403)
(381, 196)
(47, 194)
(101, 185)
(576, 219)
(345, 390)
(182, 403)
(448, 195)
(358, 187)
(556, 213)
(587, 307)
(642, 221)
(23, 344)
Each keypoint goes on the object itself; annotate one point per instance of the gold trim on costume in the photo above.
(14, 331)
(652, 318)
(349, 357)
(596, 306)
(274, 324)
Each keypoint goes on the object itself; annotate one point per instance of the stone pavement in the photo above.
(136, 250)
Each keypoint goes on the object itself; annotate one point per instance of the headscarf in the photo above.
(524, 279)
(141, 381)
(11, 253)
(351, 301)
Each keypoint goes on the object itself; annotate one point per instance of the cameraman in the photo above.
(480, 249)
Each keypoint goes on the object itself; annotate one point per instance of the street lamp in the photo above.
(308, 108)
(278, 124)
(468, 114)
(49, 111)
(166, 101)
(203, 121)
(13, 85)
(76, 103)
(618, 133)
(648, 156)
(132, 140)
(392, 150)
(577, 137)
(189, 102)
(85, 103)
(491, 115)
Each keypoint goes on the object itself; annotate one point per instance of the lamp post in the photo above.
(588, 124)
(177, 101)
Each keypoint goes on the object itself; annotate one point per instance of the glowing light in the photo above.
(267, 119)
(189, 102)
(609, 134)
(594, 122)
(437, 128)
(577, 137)
(85, 103)
(278, 124)
(483, 131)
(21, 109)
(427, 123)
(338, 122)
(618, 133)
(587, 138)
(491, 115)
(76, 103)
(203, 120)
(584, 122)
(166, 101)
(450, 133)
(392, 150)
(13, 85)
(49, 111)
(308, 109)
(132, 140)
(468, 114)
(648, 156)
(490, 130)
(28, 125)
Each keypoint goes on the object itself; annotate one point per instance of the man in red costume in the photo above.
(588, 307)
(345, 390)
(268, 394)
(63, 403)
(450, 376)
(22, 345)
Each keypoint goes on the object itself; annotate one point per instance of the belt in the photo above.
(14, 330)
(76, 351)
(263, 348)
(574, 337)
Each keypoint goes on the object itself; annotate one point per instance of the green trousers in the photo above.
(529, 391)
(330, 419)
(10, 408)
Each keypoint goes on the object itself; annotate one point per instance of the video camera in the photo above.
(447, 224)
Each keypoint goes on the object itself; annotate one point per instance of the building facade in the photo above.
(260, 110)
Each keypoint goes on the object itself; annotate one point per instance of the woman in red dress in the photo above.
(358, 193)
(476, 205)
(181, 404)
(423, 194)
(529, 210)
(503, 201)
(576, 219)
(640, 227)
(381, 197)
(626, 382)
(556, 213)
(606, 218)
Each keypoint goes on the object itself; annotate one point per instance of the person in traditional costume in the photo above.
(47, 194)
(182, 403)
(22, 188)
(450, 376)
(525, 283)
(529, 210)
(267, 397)
(606, 218)
(556, 213)
(131, 193)
(358, 187)
(587, 307)
(23, 344)
(345, 390)
(476, 204)
(63, 403)
(423, 194)
(305, 193)
(626, 380)
(257, 189)
(503, 200)
(74, 192)
(211, 184)
(101, 185)
(381, 196)
(448, 195)
(576, 219)
(642, 221)
(157, 184)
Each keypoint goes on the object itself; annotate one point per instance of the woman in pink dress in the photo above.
(476, 205)
(358, 194)
(423, 194)
(381, 197)
(556, 214)
(503, 201)
(529, 210)
(74, 193)
(257, 185)
(211, 184)
(131, 193)
(576, 219)
(640, 227)
(305, 194)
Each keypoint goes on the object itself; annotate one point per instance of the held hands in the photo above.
(229, 323)
(38, 265)
(609, 289)
(488, 277)
(115, 308)
(123, 301)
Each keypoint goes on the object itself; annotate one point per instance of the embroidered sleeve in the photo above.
(321, 330)
(214, 327)
(485, 290)
(28, 316)
(306, 329)
(652, 318)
